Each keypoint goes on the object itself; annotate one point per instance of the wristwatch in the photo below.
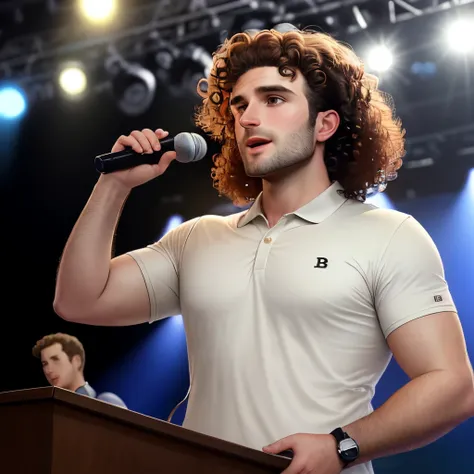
(347, 448)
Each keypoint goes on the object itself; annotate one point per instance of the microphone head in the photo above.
(189, 147)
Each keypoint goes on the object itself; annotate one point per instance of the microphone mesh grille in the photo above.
(189, 147)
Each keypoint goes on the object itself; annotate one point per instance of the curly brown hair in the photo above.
(367, 149)
(70, 344)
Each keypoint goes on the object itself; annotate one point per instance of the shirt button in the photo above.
(267, 240)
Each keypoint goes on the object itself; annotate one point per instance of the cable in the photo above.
(177, 406)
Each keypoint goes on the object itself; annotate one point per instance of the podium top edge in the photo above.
(141, 421)
(27, 394)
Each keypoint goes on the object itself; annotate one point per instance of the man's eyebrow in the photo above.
(263, 90)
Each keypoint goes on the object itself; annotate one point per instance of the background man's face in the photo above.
(58, 369)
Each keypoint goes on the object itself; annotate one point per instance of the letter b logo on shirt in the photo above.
(322, 262)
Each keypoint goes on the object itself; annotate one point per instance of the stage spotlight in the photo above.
(199, 66)
(133, 86)
(191, 64)
(460, 35)
(165, 57)
(253, 25)
(12, 102)
(72, 80)
(200, 56)
(259, 16)
(97, 10)
(380, 58)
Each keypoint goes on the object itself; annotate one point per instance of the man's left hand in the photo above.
(313, 453)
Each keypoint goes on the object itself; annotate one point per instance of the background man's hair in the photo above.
(70, 344)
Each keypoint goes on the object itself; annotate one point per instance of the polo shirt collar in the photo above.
(315, 211)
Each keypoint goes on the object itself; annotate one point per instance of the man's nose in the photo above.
(250, 117)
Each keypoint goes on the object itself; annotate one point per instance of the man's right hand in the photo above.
(91, 287)
(144, 141)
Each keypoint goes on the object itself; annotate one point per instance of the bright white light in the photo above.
(460, 36)
(380, 200)
(470, 186)
(98, 10)
(73, 80)
(380, 58)
(12, 103)
(173, 222)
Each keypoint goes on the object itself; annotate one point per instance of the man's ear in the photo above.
(77, 362)
(327, 123)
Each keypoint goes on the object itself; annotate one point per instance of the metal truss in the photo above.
(22, 46)
(36, 36)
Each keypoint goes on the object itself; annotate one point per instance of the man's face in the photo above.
(272, 126)
(58, 369)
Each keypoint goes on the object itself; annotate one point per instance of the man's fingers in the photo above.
(143, 140)
(160, 133)
(280, 445)
(127, 141)
(152, 138)
(165, 161)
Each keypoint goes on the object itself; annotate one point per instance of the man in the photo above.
(294, 307)
(63, 358)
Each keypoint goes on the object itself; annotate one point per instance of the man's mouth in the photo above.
(255, 142)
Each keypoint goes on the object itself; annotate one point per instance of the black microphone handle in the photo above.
(126, 159)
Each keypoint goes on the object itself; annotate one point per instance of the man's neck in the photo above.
(78, 382)
(292, 190)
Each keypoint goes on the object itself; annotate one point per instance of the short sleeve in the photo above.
(410, 281)
(160, 266)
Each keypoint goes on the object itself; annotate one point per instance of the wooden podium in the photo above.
(55, 431)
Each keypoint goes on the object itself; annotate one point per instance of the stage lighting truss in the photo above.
(33, 46)
(455, 143)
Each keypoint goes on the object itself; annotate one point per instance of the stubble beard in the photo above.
(297, 150)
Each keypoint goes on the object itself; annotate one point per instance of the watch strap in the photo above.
(339, 434)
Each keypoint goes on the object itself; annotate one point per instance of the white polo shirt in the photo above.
(286, 326)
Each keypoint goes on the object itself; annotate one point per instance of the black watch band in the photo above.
(347, 448)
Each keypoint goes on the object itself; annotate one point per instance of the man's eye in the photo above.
(274, 100)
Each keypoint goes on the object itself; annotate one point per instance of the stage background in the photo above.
(47, 174)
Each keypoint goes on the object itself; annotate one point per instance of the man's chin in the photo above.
(267, 174)
(255, 174)
(258, 171)
(275, 172)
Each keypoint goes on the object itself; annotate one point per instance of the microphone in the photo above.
(189, 147)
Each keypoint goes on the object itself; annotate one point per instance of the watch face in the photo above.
(349, 449)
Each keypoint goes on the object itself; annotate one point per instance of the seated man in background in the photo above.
(63, 359)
